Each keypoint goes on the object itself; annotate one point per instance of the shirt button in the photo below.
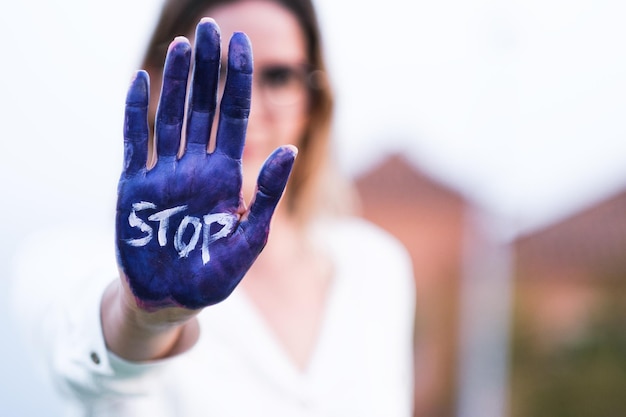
(95, 358)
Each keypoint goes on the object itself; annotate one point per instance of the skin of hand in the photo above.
(184, 237)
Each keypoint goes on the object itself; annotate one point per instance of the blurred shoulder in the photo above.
(367, 250)
(360, 235)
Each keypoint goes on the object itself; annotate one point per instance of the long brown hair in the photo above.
(310, 187)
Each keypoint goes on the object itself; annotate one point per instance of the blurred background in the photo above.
(488, 135)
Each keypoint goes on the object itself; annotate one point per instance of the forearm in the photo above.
(137, 335)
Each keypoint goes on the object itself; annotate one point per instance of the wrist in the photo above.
(139, 335)
(145, 318)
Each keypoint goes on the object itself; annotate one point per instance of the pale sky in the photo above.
(519, 104)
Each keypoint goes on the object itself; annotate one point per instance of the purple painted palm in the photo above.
(180, 238)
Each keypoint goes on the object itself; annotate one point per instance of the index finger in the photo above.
(235, 104)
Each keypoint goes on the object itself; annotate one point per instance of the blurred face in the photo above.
(279, 112)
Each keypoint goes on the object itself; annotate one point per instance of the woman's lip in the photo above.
(251, 151)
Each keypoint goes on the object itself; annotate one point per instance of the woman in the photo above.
(320, 324)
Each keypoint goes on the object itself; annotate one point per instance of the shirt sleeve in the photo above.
(57, 305)
(79, 359)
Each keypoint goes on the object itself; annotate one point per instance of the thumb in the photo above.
(270, 186)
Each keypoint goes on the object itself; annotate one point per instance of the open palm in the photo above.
(182, 235)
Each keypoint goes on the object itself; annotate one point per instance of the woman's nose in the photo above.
(259, 109)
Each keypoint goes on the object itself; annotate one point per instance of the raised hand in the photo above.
(183, 236)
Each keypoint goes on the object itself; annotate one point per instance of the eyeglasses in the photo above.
(282, 85)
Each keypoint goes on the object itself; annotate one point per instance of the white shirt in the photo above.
(361, 366)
